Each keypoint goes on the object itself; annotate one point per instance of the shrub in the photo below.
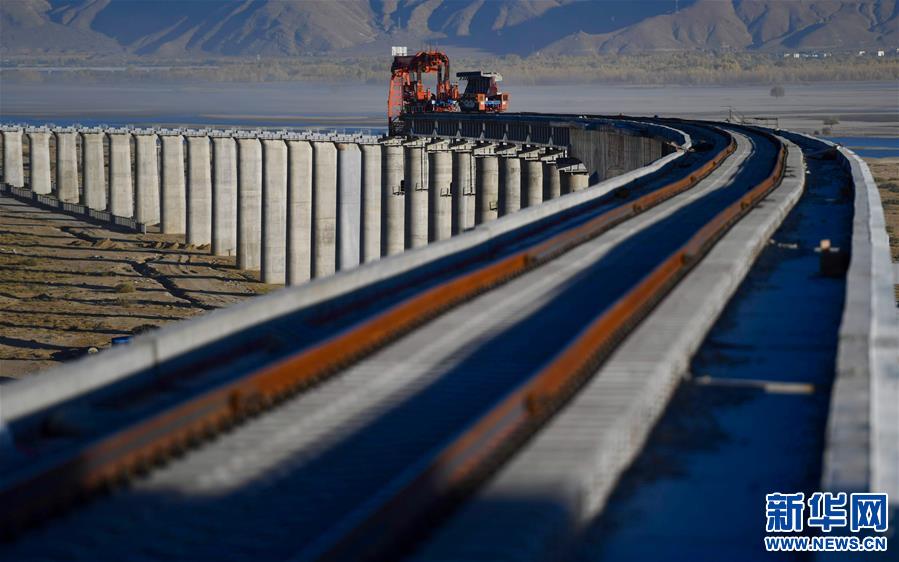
(124, 288)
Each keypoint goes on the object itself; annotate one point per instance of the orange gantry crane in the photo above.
(408, 94)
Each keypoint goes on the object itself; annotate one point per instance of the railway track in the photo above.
(406, 404)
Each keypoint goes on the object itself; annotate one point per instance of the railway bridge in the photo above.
(489, 325)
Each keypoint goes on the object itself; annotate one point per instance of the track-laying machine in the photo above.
(408, 94)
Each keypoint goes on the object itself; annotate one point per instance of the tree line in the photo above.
(649, 69)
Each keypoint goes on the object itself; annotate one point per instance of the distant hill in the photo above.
(750, 25)
(523, 27)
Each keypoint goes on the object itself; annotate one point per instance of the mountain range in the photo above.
(203, 28)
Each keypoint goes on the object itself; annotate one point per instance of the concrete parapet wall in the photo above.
(862, 443)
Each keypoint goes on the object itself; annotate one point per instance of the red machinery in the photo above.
(407, 93)
(482, 92)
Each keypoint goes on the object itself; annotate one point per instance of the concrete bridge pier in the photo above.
(416, 188)
(324, 209)
(509, 185)
(441, 191)
(121, 182)
(39, 160)
(574, 181)
(463, 189)
(67, 188)
(299, 211)
(224, 195)
(174, 194)
(371, 202)
(393, 202)
(93, 195)
(349, 206)
(486, 188)
(531, 182)
(199, 189)
(552, 181)
(249, 203)
(148, 209)
(13, 167)
(274, 211)
(615, 157)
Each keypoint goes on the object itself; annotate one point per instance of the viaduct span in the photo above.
(298, 206)
(490, 310)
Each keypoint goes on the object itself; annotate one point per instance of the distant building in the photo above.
(862, 53)
(795, 55)
(880, 53)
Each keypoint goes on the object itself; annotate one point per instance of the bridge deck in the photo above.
(403, 401)
(562, 480)
(301, 477)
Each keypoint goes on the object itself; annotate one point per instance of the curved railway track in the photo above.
(408, 402)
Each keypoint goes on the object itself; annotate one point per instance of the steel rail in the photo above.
(38, 490)
(387, 525)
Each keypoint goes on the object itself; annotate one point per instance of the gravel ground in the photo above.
(67, 285)
(886, 174)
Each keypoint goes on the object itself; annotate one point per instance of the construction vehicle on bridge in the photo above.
(482, 93)
(407, 93)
